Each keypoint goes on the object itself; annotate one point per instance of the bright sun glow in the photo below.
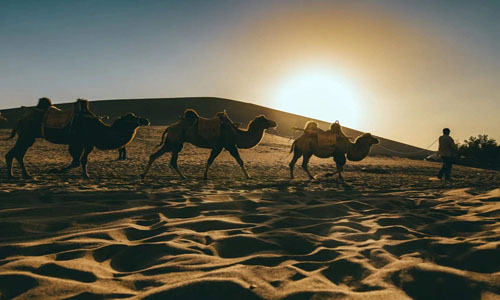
(321, 94)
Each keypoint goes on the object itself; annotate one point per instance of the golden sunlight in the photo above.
(319, 93)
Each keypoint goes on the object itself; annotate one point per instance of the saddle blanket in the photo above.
(56, 118)
(209, 128)
(326, 139)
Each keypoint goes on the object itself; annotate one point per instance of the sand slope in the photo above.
(387, 233)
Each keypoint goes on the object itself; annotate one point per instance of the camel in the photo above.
(85, 132)
(307, 145)
(122, 152)
(228, 137)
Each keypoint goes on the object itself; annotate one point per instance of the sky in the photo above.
(402, 70)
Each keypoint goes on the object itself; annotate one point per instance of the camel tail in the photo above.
(163, 137)
(12, 134)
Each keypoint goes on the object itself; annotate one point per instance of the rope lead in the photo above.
(414, 152)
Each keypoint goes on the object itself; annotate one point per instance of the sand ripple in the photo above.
(227, 244)
(378, 236)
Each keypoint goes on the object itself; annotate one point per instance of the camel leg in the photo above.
(173, 160)
(340, 161)
(20, 158)
(305, 161)
(296, 155)
(84, 160)
(234, 153)
(76, 151)
(215, 152)
(9, 157)
(122, 154)
(164, 148)
(18, 152)
(339, 170)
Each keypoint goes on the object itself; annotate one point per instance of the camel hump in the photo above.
(82, 109)
(337, 129)
(56, 118)
(324, 138)
(311, 128)
(206, 128)
(44, 103)
(82, 105)
(191, 114)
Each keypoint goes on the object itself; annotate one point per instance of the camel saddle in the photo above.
(326, 139)
(56, 118)
(209, 128)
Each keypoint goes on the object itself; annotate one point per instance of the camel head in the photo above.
(263, 123)
(367, 139)
(361, 147)
(131, 119)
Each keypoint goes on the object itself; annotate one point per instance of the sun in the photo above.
(319, 93)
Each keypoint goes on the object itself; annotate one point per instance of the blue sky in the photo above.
(412, 66)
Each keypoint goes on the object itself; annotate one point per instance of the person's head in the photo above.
(446, 131)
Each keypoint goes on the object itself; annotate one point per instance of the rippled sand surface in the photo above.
(390, 231)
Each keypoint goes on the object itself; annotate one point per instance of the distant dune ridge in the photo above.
(164, 111)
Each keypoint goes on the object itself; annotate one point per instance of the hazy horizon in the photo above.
(401, 70)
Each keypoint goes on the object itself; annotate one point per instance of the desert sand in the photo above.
(390, 231)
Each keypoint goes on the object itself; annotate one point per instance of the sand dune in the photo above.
(389, 232)
(164, 111)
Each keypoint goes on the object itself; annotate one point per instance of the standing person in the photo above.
(448, 153)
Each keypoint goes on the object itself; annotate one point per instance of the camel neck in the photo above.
(114, 137)
(358, 151)
(249, 138)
